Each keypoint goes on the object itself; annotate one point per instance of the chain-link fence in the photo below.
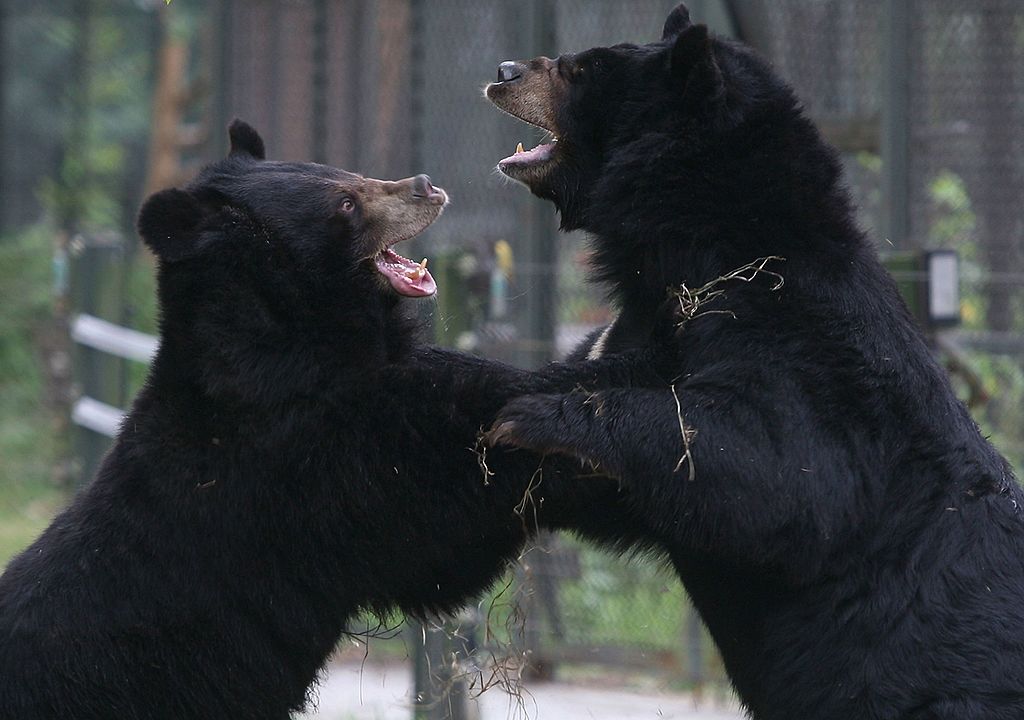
(924, 98)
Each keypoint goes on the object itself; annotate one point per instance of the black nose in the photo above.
(421, 186)
(509, 70)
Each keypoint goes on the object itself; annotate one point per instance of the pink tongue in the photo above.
(405, 276)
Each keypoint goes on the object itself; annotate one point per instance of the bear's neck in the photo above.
(698, 226)
(275, 364)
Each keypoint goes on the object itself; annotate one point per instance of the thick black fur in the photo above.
(292, 460)
(853, 543)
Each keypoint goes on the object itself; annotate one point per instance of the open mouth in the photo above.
(406, 217)
(521, 161)
(407, 277)
(528, 101)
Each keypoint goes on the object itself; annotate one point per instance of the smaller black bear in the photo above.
(293, 459)
(853, 543)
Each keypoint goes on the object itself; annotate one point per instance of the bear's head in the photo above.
(284, 254)
(293, 216)
(629, 121)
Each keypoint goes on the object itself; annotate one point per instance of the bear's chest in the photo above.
(626, 332)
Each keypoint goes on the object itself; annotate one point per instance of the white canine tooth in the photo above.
(519, 148)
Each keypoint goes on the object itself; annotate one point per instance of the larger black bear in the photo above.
(853, 543)
(294, 458)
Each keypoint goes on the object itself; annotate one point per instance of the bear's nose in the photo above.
(421, 186)
(509, 70)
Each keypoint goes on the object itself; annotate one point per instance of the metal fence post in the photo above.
(895, 126)
(319, 110)
(538, 260)
(438, 693)
(538, 254)
(695, 650)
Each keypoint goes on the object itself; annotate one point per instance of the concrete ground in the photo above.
(382, 692)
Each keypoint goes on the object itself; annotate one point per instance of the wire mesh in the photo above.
(967, 182)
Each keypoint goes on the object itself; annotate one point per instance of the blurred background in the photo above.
(104, 101)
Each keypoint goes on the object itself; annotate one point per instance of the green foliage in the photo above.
(1002, 417)
(637, 604)
(28, 441)
(869, 161)
(579, 300)
(955, 222)
(80, 108)
(82, 103)
(954, 225)
(140, 295)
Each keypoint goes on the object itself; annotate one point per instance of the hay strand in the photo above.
(693, 302)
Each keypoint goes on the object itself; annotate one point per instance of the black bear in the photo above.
(294, 458)
(854, 545)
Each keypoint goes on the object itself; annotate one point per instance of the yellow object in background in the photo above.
(501, 277)
(503, 258)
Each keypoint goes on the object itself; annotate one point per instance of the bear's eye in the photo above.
(577, 72)
(347, 205)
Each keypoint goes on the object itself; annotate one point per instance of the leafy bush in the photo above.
(29, 440)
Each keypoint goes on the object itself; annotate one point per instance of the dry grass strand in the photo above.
(693, 302)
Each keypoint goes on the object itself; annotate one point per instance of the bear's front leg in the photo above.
(617, 432)
(473, 384)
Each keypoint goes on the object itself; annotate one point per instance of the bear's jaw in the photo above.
(529, 93)
(396, 211)
(527, 165)
(406, 277)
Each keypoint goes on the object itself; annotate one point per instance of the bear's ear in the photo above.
(245, 140)
(692, 61)
(677, 21)
(169, 224)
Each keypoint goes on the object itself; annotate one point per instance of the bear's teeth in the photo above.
(418, 272)
(519, 148)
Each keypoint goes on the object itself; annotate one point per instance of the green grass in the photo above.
(636, 605)
(21, 524)
(29, 438)
(141, 298)
(33, 437)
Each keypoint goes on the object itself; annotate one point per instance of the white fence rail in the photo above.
(122, 342)
(107, 337)
(97, 416)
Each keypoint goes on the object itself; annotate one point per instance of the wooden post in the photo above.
(95, 288)
(440, 694)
